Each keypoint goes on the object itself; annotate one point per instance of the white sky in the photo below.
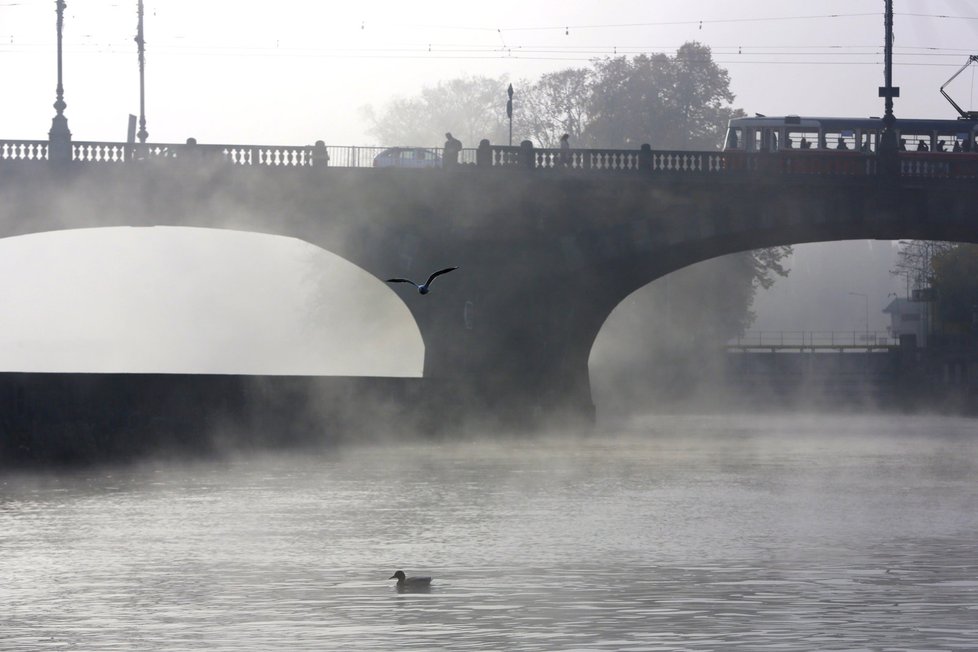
(295, 71)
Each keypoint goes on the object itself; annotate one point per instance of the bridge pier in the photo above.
(485, 367)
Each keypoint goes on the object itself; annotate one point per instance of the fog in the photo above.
(696, 533)
(268, 513)
(196, 301)
(816, 294)
(217, 301)
(650, 356)
(129, 300)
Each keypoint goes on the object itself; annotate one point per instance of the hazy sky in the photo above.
(295, 71)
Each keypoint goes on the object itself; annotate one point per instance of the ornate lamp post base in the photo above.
(59, 140)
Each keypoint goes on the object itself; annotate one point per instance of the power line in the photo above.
(664, 23)
(526, 52)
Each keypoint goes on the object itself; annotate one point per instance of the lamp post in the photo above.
(509, 112)
(59, 138)
(866, 300)
(140, 44)
(888, 145)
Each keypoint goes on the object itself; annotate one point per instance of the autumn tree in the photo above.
(670, 102)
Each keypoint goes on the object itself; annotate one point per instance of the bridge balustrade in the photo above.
(802, 162)
(612, 160)
(785, 162)
(916, 166)
(89, 152)
(680, 161)
(242, 155)
(23, 150)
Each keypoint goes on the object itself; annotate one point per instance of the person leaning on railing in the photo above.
(320, 157)
(565, 153)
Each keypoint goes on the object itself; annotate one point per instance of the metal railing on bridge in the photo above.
(775, 341)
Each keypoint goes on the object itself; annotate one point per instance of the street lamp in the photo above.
(866, 300)
(141, 45)
(509, 112)
(888, 140)
(59, 138)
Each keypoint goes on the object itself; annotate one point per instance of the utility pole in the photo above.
(59, 138)
(141, 47)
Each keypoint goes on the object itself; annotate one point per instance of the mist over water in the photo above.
(789, 532)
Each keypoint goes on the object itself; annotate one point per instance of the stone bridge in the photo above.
(547, 248)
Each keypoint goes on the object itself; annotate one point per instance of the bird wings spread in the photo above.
(439, 273)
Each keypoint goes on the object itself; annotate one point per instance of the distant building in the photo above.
(908, 319)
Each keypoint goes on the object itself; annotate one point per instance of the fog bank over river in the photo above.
(784, 532)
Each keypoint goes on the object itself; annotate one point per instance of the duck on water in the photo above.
(405, 583)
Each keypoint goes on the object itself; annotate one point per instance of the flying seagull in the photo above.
(422, 289)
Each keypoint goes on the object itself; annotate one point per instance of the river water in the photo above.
(667, 533)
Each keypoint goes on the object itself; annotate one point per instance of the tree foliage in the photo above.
(915, 260)
(955, 281)
(678, 102)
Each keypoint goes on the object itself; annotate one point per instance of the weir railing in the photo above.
(813, 341)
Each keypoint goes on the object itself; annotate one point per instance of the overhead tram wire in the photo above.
(597, 49)
(666, 23)
(521, 51)
(724, 55)
(500, 31)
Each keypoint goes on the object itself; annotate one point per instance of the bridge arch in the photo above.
(685, 227)
(546, 255)
(196, 300)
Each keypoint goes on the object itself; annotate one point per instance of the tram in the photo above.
(769, 134)
(843, 145)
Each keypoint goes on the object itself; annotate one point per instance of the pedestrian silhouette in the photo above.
(452, 147)
(565, 154)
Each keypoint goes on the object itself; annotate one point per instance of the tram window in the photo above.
(845, 140)
(947, 142)
(868, 142)
(796, 139)
(735, 136)
(915, 142)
